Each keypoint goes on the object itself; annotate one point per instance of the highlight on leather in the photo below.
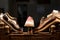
(47, 22)
(11, 20)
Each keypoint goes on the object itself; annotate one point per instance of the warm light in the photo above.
(1, 16)
(55, 11)
(29, 22)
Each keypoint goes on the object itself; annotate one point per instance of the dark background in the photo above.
(21, 9)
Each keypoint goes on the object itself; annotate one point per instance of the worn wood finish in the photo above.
(40, 36)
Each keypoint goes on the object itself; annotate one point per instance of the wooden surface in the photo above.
(25, 36)
(41, 36)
